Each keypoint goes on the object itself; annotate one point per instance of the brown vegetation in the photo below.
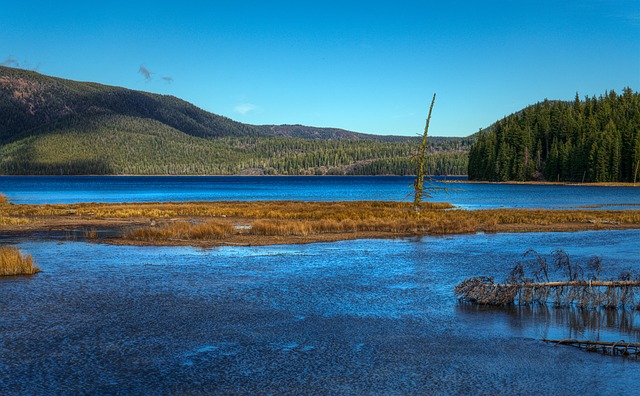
(13, 262)
(297, 222)
(181, 231)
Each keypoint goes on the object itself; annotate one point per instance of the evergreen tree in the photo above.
(585, 141)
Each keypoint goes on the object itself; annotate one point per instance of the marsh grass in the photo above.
(14, 262)
(8, 220)
(269, 209)
(210, 230)
(447, 224)
(12, 221)
(214, 220)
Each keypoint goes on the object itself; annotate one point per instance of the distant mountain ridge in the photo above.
(33, 103)
(50, 125)
(308, 132)
(37, 103)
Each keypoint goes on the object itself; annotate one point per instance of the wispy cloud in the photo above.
(10, 61)
(146, 73)
(13, 62)
(245, 108)
(167, 79)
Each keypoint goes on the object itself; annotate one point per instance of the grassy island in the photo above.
(281, 222)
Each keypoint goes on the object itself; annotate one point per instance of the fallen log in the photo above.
(622, 348)
(580, 289)
(582, 293)
(578, 283)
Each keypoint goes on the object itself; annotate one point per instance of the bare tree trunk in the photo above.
(419, 183)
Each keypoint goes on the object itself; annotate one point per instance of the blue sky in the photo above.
(366, 66)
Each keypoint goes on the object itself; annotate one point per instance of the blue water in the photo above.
(350, 317)
(70, 189)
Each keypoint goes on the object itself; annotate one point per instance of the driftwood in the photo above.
(584, 294)
(538, 288)
(620, 348)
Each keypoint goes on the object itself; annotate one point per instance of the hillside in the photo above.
(50, 125)
(591, 140)
(33, 104)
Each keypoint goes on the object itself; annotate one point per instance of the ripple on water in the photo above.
(367, 316)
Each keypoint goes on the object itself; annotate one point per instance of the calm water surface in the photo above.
(70, 189)
(352, 317)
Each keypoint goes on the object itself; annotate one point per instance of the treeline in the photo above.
(594, 140)
(116, 144)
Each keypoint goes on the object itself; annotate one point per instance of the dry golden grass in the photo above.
(12, 221)
(444, 223)
(13, 262)
(269, 209)
(214, 221)
(210, 230)
(9, 220)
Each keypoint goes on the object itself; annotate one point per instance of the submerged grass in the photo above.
(14, 262)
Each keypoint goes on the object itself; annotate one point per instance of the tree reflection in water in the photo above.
(549, 322)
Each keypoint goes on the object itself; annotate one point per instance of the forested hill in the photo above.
(50, 125)
(32, 104)
(590, 140)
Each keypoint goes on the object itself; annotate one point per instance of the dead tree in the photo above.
(591, 292)
(420, 158)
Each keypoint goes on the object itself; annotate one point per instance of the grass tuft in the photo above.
(13, 262)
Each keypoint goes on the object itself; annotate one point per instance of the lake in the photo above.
(72, 189)
(351, 317)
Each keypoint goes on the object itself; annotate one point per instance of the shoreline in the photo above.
(453, 179)
(549, 183)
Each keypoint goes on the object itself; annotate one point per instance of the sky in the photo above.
(366, 66)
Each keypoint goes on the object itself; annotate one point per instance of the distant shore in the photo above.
(288, 222)
(549, 183)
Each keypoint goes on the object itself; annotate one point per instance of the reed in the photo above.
(13, 221)
(14, 262)
(184, 220)
(272, 209)
(279, 228)
(210, 230)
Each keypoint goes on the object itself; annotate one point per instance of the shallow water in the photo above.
(72, 189)
(364, 316)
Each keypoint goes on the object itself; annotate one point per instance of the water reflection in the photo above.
(548, 322)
